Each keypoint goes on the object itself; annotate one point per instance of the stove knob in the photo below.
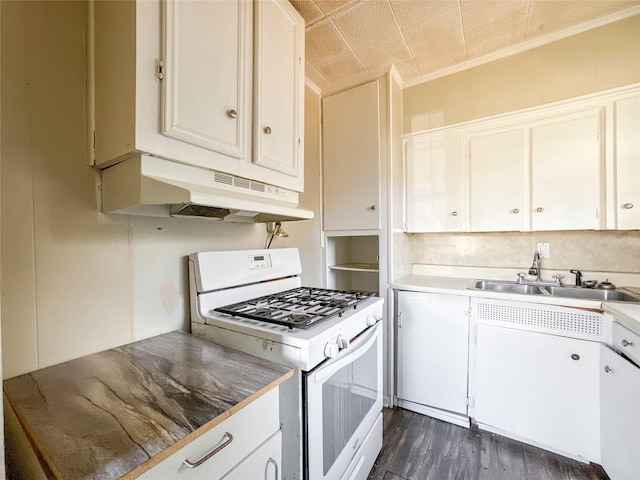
(374, 318)
(343, 342)
(331, 350)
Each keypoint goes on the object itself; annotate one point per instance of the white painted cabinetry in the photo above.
(572, 165)
(432, 354)
(434, 183)
(250, 441)
(567, 179)
(627, 163)
(178, 80)
(619, 416)
(539, 388)
(497, 173)
(351, 136)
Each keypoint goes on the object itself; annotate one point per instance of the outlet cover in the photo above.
(543, 250)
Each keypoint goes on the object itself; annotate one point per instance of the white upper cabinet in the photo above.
(196, 82)
(627, 163)
(497, 180)
(219, 118)
(278, 88)
(351, 158)
(567, 174)
(434, 183)
(573, 165)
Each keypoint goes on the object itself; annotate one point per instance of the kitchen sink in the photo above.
(592, 294)
(555, 291)
(507, 287)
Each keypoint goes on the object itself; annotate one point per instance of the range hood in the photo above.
(146, 185)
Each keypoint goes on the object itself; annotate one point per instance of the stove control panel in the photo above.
(259, 261)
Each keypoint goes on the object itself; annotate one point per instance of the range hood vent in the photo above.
(146, 185)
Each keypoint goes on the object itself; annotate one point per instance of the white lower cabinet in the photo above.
(250, 442)
(538, 388)
(433, 335)
(619, 416)
(264, 463)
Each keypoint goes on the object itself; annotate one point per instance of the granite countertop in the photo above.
(123, 410)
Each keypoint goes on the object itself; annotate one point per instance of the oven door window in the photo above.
(344, 398)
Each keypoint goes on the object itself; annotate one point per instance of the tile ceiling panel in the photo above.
(492, 26)
(348, 38)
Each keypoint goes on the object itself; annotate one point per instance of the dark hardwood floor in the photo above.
(417, 447)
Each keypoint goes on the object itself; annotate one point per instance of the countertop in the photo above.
(121, 411)
(625, 313)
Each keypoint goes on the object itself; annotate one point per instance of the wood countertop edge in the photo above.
(167, 452)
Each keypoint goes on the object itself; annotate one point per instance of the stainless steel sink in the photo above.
(555, 291)
(507, 287)
(592, 294)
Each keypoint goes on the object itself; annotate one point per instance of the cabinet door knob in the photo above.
(516, 210)
(454, 214)
(575, 356)
(607, 369)
(539, 209)
(267, 130)
(232, 113)
(626, 343)
(628, 206)
(373, 207)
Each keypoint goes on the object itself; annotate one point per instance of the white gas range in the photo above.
(331, 409)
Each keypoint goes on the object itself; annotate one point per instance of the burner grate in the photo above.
(300, 307)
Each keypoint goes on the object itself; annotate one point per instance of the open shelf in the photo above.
(356, 267)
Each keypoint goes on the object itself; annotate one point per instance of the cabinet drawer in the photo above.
(265, 462)
(627, 342)
(250, 427)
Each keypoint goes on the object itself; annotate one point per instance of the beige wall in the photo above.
(76, 281)
(596, 60)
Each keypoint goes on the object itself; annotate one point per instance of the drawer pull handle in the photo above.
(575, 356)
(197, 463)
(628, 206)
(627, 344)
(275, 466)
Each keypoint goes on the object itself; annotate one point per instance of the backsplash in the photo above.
(610, 251)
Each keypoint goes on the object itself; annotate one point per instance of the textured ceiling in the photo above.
(347, 39)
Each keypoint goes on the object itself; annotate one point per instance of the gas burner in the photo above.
(300, 307)
(338, 302)
(300, 318)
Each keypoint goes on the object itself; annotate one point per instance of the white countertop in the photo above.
(625, 313)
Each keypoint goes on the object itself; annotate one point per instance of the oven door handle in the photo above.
(328, 370)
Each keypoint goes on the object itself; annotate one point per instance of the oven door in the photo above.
(343, 401)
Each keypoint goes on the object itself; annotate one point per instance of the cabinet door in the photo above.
(434, 183)
(207, 80)
(620, 416)
(496, 176)
(627, 155)
(351, 158)
(567, 162)
(433, 333)
(264, 463)
(278, 87)
(539, 387)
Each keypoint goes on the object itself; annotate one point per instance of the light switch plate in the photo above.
(543, 250)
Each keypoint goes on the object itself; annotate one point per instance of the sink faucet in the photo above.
(535, 266)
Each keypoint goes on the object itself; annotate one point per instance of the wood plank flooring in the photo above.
(417, 447)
